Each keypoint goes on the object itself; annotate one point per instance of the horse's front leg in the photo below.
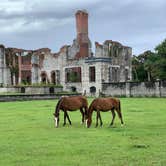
(82, 112)
(113, 117)
(97, 117)
(68, 118)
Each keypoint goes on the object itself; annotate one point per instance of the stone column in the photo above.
(127, 89)
(1, 65)
(19, 68)
(158, 88)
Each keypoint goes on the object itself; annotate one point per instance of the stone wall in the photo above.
(31, 90)
(135, 89)
(9, 90)
(25, 97)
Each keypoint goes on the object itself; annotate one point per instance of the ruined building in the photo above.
(75, 67)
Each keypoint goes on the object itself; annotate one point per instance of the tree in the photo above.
(135, 65)
(150, 66)
(139, 73)
(161, 63)
(161, 49)
(161, 66)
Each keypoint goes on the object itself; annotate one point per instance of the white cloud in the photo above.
(19, 16)
(129, 21)
(10, 7)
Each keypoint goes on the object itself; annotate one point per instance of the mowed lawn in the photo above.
(28, 136)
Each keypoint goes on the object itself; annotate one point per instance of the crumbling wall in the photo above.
(135, 89)
(120, 56)
(5, 73)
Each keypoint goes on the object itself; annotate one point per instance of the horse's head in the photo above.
(88, 122)
(56, 119)
(56, 114)
(88, 116)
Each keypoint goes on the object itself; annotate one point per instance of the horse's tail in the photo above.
(91, 107)
(85, 100)
(120, 113)
(85, 103)
(119, 106)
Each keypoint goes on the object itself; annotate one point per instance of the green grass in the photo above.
(28, 136)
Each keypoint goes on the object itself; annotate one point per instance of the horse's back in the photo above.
(105, 103)
(78, 99)
(74, 102)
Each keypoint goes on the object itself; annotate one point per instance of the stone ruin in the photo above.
(75, 66)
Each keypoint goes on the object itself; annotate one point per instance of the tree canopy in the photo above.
(150, 66)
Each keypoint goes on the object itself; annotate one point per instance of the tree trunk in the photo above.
(149, 79)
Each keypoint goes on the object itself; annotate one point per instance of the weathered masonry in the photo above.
(75, 66)
(135, 89)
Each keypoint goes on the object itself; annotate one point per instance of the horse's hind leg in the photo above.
(82, 112)
(120, 116)
(113, 117)
(97, 117)
(101, 123)
(64, 123)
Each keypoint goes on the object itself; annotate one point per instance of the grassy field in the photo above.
(28, 136)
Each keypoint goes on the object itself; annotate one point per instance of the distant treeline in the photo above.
(150, 66)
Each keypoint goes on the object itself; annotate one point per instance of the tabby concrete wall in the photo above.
(135, 89)
(31, 90)
(25, 97)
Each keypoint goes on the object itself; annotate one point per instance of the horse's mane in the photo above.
(58, 104)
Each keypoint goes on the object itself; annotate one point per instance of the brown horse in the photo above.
(70, 103)
(104, 105)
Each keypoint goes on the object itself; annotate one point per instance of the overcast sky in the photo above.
(34, 24)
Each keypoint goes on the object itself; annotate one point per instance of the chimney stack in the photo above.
(82, 33)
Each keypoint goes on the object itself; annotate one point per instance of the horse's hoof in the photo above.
(122, 125)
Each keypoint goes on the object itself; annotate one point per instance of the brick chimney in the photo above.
(82, 33)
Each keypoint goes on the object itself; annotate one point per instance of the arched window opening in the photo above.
(44, 78)
(93, 89)
(53, 77)
(73, 89)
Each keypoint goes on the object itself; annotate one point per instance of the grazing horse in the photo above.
(104, 105)
(70, 103)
